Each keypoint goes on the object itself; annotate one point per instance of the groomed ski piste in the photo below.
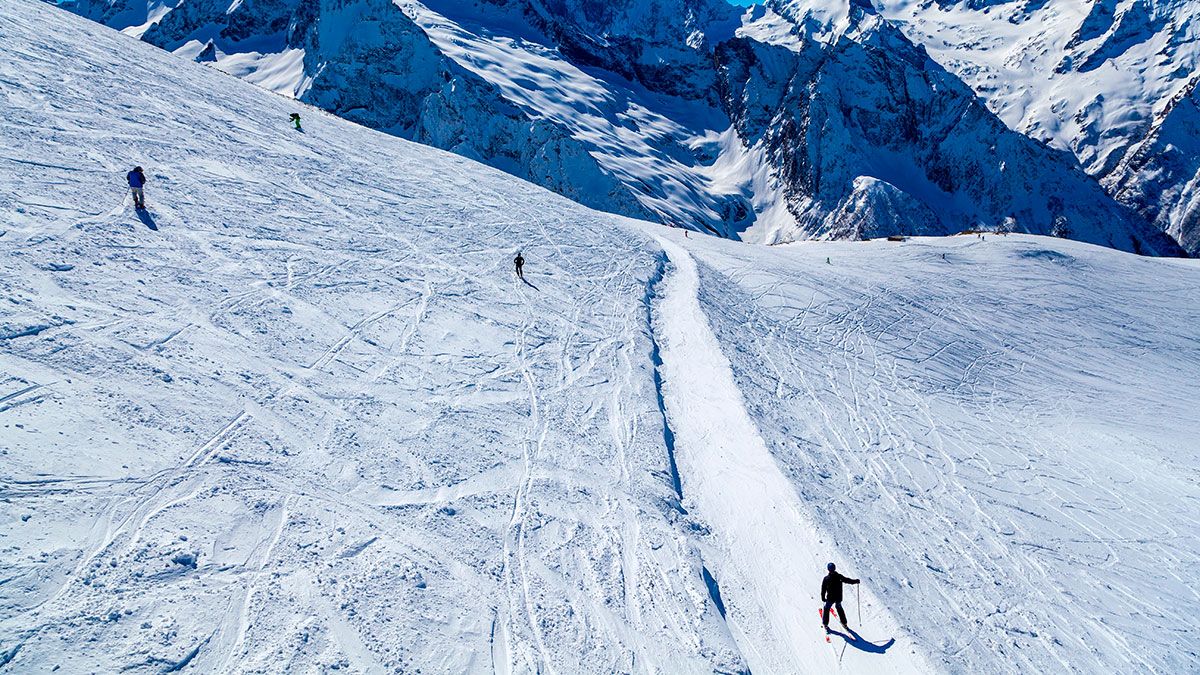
(301, 416)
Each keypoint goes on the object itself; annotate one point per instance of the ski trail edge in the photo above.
(765, 553)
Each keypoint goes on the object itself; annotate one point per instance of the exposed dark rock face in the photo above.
(784, 122)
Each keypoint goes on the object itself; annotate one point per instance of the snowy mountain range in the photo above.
(790, 120)
(299, 415)
(1112, 81)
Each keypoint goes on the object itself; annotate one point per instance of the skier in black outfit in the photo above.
(519, 262)
(831, 594)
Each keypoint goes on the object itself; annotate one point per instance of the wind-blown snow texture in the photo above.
(763, 125)
(301, 416)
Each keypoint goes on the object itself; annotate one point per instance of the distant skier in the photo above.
(831, 594)
(295, 118)
(519, 262)
(137, 180)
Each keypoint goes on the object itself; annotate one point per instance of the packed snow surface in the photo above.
(300, 415)
(1005, 424)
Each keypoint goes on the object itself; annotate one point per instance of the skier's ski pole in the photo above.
(858, 594)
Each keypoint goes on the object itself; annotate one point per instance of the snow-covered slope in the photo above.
(1160, 174)
(1095, 78)
(871, 105)
(301, 417)
(764, 126)
(1006, 425)
(1084, 76)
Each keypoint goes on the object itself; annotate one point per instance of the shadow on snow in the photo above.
(147, 220)
(855, 640)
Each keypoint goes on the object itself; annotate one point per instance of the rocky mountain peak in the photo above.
(768, 124)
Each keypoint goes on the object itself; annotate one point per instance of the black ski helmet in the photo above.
(831, 567)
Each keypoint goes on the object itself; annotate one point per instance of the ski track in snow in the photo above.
(301, 416)
(995, 434)
(762, 542)
(310, 419)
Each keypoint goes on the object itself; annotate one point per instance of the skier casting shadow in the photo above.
(137, 186)
(855, 640)
(831, 595)
(147, 220)
(519, 263)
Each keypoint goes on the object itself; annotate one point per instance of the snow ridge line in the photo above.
(652, 294)
(7, 656)
(767, 553)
